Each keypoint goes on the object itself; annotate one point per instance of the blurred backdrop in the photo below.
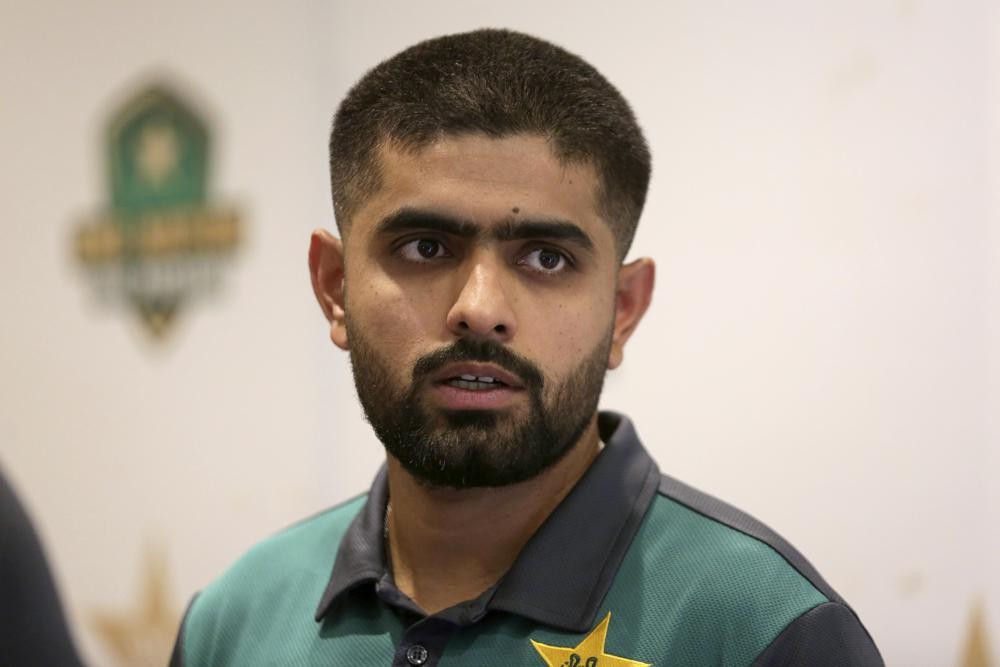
(823, 348)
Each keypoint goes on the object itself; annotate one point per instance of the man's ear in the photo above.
(632, 297)
(326, 266)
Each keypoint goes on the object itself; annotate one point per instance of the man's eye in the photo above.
(545, 260)
(421, 250)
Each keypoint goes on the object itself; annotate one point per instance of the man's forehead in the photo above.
(516, 160)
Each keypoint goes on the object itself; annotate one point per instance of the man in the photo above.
(486, 188)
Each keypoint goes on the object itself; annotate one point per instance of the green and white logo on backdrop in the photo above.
(159, 243)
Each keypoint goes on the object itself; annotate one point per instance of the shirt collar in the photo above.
(361, 555)
(564, 571)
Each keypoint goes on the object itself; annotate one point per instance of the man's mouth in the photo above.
(476, 386)
(475, 383)
(477, 376)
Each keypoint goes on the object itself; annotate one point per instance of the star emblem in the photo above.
(143, 636)
(588, 653)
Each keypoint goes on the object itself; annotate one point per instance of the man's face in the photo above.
(479, 298)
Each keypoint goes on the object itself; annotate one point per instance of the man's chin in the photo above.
(470, 476)
(443, 419)
(475, 419)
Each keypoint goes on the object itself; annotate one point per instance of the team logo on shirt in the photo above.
(588, 653)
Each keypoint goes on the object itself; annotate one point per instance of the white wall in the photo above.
(992, 308)
(208, 443)
(819, 352)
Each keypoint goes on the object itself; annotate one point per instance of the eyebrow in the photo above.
(413, 219)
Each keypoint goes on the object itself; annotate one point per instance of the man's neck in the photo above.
(447, 546)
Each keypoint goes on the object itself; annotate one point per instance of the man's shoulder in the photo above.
(306, 544)
(728, 532)
(698, 548)
(282, 576)
(703, 568)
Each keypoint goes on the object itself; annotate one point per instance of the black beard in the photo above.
(476, 448)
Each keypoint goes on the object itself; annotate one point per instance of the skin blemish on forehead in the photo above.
(515, 210)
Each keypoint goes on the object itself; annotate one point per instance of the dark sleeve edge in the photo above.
(784, 646)
(177, 656)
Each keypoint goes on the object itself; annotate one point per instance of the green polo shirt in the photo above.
(632, 568)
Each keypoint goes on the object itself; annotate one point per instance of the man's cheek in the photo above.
(558, 333)
(394, 323)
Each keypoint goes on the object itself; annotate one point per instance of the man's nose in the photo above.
(482, 307)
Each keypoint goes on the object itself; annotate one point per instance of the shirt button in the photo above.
(416, 655)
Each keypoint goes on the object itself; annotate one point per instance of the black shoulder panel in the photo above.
(828, 635)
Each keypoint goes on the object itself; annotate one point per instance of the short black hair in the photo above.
(497, 83)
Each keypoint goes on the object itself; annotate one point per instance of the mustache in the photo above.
(483, 351)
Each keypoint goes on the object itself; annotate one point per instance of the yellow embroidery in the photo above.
(588, 653)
